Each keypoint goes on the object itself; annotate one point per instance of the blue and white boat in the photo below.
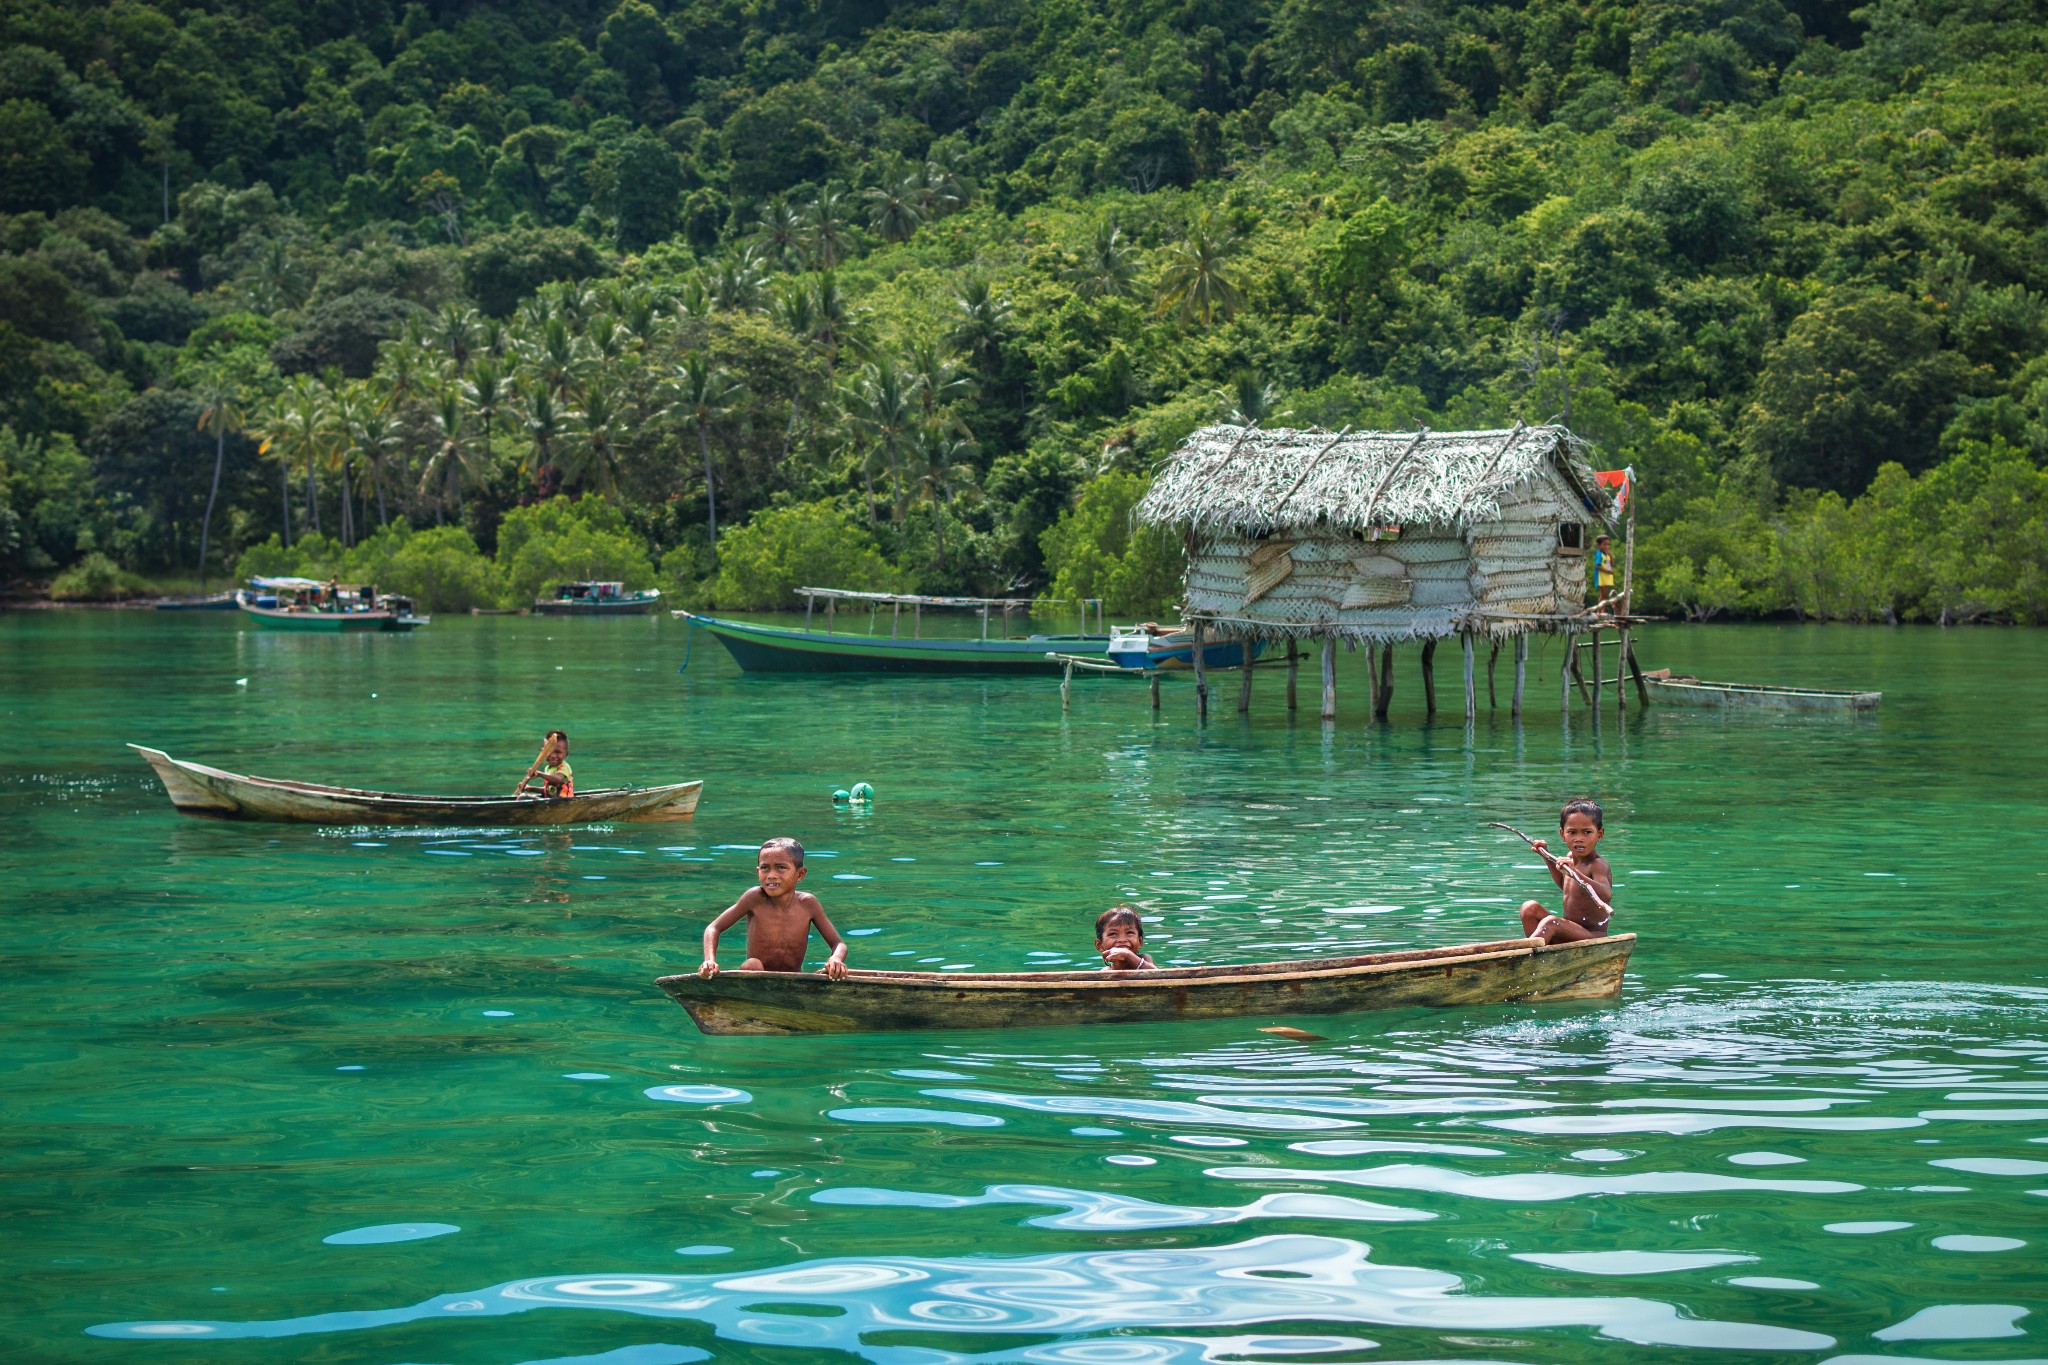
(1150, 646)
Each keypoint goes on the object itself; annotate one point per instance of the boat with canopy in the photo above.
(906, 648)
(1508, 971)
(308, 604)
(215, 793)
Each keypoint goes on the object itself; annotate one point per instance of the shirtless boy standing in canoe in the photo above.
(1580, 825)
(779, 918)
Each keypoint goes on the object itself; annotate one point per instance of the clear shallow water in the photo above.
(400, 1096)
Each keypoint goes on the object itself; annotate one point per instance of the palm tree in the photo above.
(456, 332)
(836, 323)
(299, 430)
(943, 471)
(371, 431)
(450, 462)
(540, 412)
(736, 283)
(827, 235)
(702, 394)
(223, 409)
(941, 190)
(590, 453)
(893, 209)
(1108, 268)
(778, 232)
(940, 384)
(554, 355)
(981, 319)
(485, 393)
(1248, 399)
(1195, 280)
(882, 402)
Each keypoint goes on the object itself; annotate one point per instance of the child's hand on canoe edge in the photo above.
(709, 969)
(833, 970)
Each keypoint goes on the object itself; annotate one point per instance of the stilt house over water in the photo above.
(1375, 537)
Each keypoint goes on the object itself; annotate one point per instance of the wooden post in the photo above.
(1521, 672)
(1429, 677)
(1293, 667)
(1471, 696)
(1372, 678)
(1564, 676)
(1572, 662)
(895, 619)
(1155, 689)
(984, 623)
(1329, 677)
(1492, 658)
(916, 620)
(1635, 671)
(809, 602)
(1201, 677)
(1244, 686)
(1628, 601)
(1596, 666)
(1067, 686)
(831, 608)
(1386, 695)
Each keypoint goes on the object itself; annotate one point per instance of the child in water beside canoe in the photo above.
(779, 918)
(1580, 824)
(1120, 938)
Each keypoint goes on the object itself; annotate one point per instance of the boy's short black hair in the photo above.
(1119, 914)
(562, 735)
(1582, 806)
(785, 844)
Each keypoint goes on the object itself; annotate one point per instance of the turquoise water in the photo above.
(353, 1095)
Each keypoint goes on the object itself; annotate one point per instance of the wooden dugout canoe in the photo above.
(220, 795)
(1678, 690)
(1511, 970)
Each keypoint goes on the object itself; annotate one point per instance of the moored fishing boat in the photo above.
(906, 648)
(219, 601)
(597, 599)
(215, 793)
(306, 604)
(1680, 690)
(1148, 647)
(1510, 970)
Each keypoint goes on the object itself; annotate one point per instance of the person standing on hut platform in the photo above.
(1603, 568)
(1585, 912)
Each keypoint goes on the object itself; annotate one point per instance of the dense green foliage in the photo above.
(920, 295)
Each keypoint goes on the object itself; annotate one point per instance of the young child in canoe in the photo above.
(779, 918)
(550, 772)
(1120, 938)
(1580, 825)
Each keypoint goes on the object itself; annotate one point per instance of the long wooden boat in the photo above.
(1679, 690)
(779, 649)
(220, 601)
(1511, 970)
(597, 599)
(307, 604)
(217, 794)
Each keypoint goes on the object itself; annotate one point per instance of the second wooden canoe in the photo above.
(1678, 690)
(217, 794)
(1516, 969)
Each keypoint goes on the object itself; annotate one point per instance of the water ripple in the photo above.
(1079, 1293)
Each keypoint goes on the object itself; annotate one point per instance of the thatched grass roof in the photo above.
(1246, 479)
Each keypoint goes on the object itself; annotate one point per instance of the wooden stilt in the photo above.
(1329, 677)
(1372, 678)
(1571, 658)
(1471, 695)
(1429, 677)
(1201, 676)
(895, 619)
(809, 602)
(1564, 677)
(1155, 690)
(1385, 698)
(1521, 672)
(1596, 668)
(1244, 686)
(916, 620)
(1067, 686)
(1293, 667)
(1492, 658)
(1635, 671)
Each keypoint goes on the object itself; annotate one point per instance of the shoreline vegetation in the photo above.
(468, 300)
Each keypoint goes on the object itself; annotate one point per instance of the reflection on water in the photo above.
(378, 1092)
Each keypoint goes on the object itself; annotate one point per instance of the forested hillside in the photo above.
(727, 297)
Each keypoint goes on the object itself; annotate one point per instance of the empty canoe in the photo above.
(216, 794)
(878, 1002)
(1677, 690)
